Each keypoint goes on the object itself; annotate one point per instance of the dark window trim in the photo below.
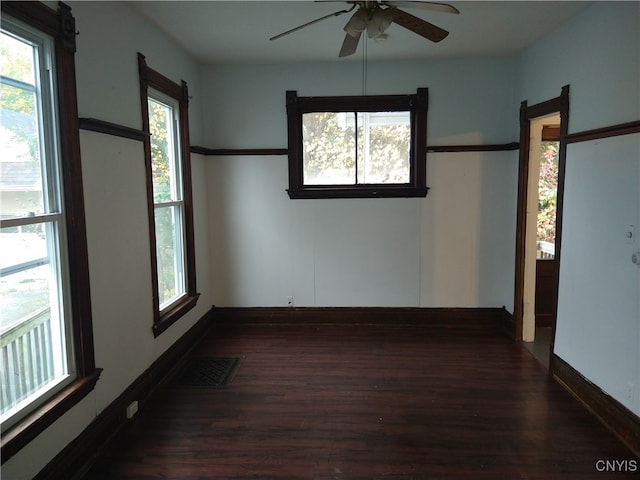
(60, 25)
(150, 78)
(417, 104)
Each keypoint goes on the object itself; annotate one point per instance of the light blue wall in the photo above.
(457, 245)
(455, 248)
(598, 326)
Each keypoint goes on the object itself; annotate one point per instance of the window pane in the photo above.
(329, 148)
(170, 254)
(32, 330)
(338, 150)
(384, 156)
(17, 59)
(21, 187)
(163, 152)
(27, 279)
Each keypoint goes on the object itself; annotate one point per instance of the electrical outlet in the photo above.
(290, 301)
(132, 409)
(630, 234)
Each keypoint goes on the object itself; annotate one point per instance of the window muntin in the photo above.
(371, 146)
(36, 357)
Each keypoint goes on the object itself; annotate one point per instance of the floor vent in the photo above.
(211, 372)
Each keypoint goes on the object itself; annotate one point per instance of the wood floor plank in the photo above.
(369, 402)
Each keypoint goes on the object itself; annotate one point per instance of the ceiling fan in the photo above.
(377, 16)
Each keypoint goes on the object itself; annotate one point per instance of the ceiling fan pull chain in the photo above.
(364, 66)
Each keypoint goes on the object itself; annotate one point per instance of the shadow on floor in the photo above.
(541, 346)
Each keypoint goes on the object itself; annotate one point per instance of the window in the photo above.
(370, 146)
(46, 345)
(165, 117)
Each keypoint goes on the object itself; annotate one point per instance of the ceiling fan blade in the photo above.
(335, 14)
(417, 25)
(350, 45)
(434, 6)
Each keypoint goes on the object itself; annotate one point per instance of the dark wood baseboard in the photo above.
(450, 318)
(509, 324)
(611, 413)
(76, 458)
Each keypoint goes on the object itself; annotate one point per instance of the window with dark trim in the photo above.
(357, 147)
(48, 362)
(165, 116)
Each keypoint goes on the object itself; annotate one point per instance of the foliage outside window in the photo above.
(46, 345)
(165, 117)
(372, 146)
(547, 199)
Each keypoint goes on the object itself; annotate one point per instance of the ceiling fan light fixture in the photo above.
(378, 23)
(357, 23)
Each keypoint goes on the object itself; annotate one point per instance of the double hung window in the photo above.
(165, 117)
(46, 347)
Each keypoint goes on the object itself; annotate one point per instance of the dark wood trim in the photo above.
(544, 108)
(551, 133)
(284, 151)
(144, 106)
(61, 25)
(611, 413)
(14, 439)
(521, 215)
(36, 14)
(548, 134)
(474, 148)
(605, 132)
(370, 191)
(169, 317)
(558, 105)
(149, 78)
(449, 318)
(562, 168)
(239, 151)
(416, 104)
(78, 456)
(108, 128)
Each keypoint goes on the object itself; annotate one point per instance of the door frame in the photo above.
(559, 105)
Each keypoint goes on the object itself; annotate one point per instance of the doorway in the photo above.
(541, 269)
(543, 129)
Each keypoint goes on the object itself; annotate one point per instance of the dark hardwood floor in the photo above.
(365, 402)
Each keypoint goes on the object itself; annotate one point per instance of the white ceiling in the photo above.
(238, 31)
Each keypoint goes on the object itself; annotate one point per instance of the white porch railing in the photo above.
(26, 358)
(545, 250)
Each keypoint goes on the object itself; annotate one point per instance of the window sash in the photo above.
(170, 253)
(36, 346)
(338, 148)
(167, 135)
(166, 161)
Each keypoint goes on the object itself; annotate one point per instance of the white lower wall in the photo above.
(454, 248)
(111, 34)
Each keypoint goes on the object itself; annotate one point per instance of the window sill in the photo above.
(174, 312)
(377, 191)
(20, 434)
